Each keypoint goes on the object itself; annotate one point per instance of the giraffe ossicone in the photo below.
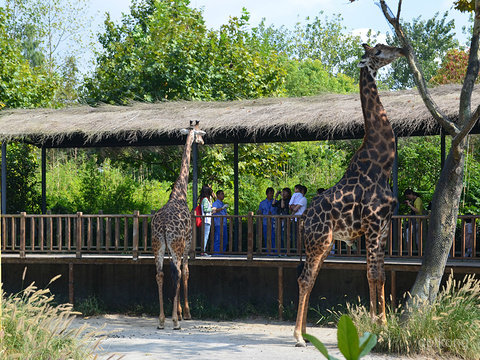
(361, 203)
(172, 232)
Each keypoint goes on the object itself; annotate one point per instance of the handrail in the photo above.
(256, 235)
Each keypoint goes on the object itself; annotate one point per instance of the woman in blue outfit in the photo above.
(218, 221)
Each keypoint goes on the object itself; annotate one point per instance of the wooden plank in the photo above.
(135, 234)
(89, 233)
(68, 236)
(98, 237)
(125, 234)
(117, 232)
(108, 233)
(32, 233)
(22, 234)
(280, 293)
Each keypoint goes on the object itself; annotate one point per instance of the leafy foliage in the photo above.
(22, 189)
(431, 39)
(309, 77)
(464, 5)
(21, 87)
(151, 57)
(453, 69)
(349, 344)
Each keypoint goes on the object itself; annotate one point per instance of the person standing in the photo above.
(266, 208)
(282, 205)
(283, 208)
(298, 207)
(221, 209)
(207, 211)
(415, 203)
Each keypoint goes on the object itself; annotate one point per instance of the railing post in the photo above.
(250, 236)
(193, 245)
(136, 232)
(22, 234)
(49, 230)
(78, 235)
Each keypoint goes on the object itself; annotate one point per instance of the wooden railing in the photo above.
(247, 235)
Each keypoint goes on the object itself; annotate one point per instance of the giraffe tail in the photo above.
(301, 235)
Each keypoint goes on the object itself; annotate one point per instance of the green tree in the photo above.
(431, 39)
(21, 87)
(309, 77)
(149, 57)
(327, 41)
(46, 28)
(22, 188)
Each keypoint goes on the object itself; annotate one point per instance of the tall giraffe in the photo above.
(361, 203)
(172, 230)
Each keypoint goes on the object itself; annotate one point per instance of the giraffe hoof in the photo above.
(161, 327)
(301, 343)
(176, 326)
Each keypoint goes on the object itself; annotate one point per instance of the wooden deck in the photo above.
(79, 239)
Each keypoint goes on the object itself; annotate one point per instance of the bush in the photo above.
(449, 326)
(34, 328)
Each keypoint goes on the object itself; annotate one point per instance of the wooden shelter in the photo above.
(327, 116)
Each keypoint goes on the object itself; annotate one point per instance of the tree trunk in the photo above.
(442, 225)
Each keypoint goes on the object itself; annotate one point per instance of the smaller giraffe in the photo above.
(361, 203)
(172, 231)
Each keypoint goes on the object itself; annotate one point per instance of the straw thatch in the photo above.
(275, 119)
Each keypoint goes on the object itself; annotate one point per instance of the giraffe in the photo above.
(361, 203)
(172, 230)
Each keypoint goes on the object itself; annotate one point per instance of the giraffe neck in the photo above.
(379, 134)
(179, 191)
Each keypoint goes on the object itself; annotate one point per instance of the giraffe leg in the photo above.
(381, 278)
(159, 255)
(313, 263)
(176, 278)
(376, 273)
(185, 276)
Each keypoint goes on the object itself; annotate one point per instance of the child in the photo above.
(295, 199)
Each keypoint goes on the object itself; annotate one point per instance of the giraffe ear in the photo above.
(184, 131)
(362, 63)
(199, 132)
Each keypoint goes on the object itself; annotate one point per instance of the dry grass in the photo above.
(32, 327)
(327, 115)
(449, 327)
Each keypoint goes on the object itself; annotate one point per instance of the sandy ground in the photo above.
(138, 338)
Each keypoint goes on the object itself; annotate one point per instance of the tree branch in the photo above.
(465, 120)
(437, 114)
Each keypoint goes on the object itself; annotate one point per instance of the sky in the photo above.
(361, 14)
(358, 16)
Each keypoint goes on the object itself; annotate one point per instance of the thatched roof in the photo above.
(328, 116)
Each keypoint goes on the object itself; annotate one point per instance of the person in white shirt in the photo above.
(301, 204)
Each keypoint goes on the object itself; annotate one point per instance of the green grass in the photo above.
(448, 327)
(32, 327)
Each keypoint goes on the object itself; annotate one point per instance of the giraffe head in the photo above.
(379, 56)
(197, 133)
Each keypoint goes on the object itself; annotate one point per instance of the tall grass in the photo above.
(32, 327)
(450, 326)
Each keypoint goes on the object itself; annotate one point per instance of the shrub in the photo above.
(450, 326)
(34, 328)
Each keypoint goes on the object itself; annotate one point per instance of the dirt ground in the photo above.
(132, 338)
